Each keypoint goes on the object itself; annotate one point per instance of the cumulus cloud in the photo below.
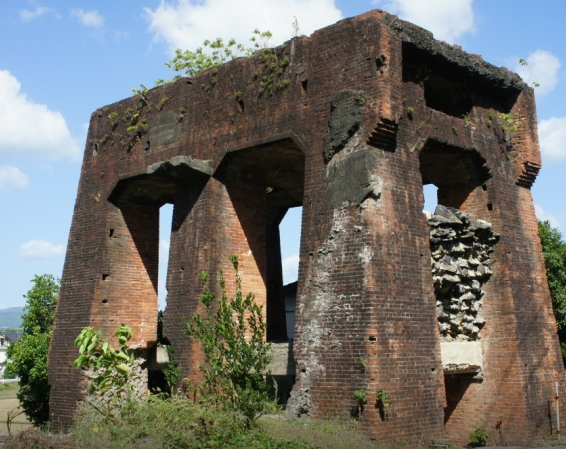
(542, 215)
(290, 268)
(186, 24)
(39, 249)
(552, 135)
(92, 19)
(447, 19)
(29, 127)
(26, 15)
(542, 68)
(12, 177)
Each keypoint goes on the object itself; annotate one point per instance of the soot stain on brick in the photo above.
(347, 109)
(163, 129)
(351, 179)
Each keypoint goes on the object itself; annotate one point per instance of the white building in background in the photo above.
(5, 341)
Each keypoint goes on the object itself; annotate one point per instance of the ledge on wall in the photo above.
(462, 357)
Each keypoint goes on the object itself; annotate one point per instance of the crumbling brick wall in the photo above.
(351, 124)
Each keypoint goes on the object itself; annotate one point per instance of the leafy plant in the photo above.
(232, 335)
(360, 396)
(479, 436)
(113, 369)
(142, 93)
(382, 398)
(525, 63)
(214, 53)
(173, 371)
(163, 102)
(274, 67)
(410, 112)
(509, 123)
(554, 251)
(28, 357)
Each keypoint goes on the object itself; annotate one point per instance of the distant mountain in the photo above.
(11, 318)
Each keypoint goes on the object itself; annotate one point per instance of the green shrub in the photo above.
(232, 335)
(479, 436)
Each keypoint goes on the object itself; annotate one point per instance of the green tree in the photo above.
(554, 250)
(232, 334)
(28, 357)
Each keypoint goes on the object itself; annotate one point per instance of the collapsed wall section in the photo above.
(462, 252)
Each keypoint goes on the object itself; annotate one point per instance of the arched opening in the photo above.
(165, 222)
(290, 232)
(461, 248)
(138, 254)
(266, 183)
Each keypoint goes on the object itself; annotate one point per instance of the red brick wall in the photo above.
(366, 307)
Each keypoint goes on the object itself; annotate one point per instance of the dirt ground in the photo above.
(8, 401)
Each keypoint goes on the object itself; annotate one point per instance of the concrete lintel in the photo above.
(461, 357)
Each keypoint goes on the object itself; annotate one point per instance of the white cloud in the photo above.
(447, 19)
(91, 19)
(39, 249)
(163, 249)
(552, 135)
(290, 268)
(12, 177)
(542, 215)
(29, 127)
(187, 23)
(542, 68)
(26, 15)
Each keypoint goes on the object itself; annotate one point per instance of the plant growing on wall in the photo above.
(478, 437)
(236, 355)
(382, 398)
(214, 53)
(361, 398)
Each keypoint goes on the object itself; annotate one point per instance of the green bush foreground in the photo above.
(179, 423)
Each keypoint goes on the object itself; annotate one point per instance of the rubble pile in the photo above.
(461, 253)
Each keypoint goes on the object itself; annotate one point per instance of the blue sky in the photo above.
(60, 61)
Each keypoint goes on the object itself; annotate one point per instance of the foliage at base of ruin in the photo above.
(232, 335)
(28, 357)
(113, 372)
(554, 250)
(158, 423)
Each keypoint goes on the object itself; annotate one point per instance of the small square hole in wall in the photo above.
(111, 233)
(104, 301)
(489, 206)
(484, 187)
(105, 277)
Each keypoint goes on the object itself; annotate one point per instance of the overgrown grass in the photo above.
(178, 423)
(326, 434)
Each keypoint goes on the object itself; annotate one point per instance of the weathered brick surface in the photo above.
(256, 142)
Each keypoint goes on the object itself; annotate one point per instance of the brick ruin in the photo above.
(349, 123)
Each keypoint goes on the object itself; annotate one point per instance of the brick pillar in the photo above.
(210, 223)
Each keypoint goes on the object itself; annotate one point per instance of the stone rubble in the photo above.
(461, 251)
